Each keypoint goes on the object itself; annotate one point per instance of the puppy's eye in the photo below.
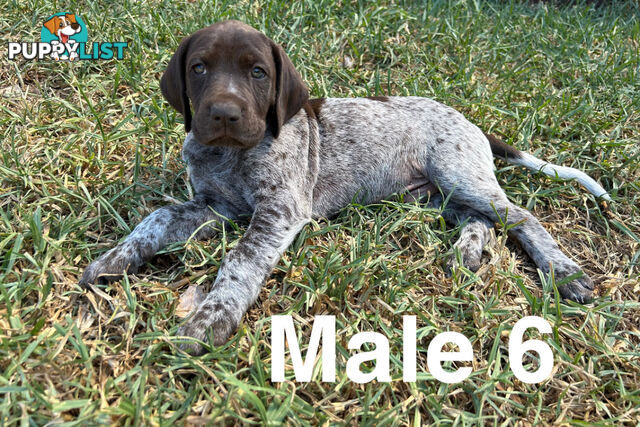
(258, 73)
(199, 69)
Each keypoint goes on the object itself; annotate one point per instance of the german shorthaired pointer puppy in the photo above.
(256, 145)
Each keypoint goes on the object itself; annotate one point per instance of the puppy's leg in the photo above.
(542, 249)
(463, 168)
(243, 272)
(474, 232)
(480, 191)
(166, 225)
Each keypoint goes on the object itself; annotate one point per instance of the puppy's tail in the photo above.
(516, 157)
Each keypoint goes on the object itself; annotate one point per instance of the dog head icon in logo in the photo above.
(65, 29)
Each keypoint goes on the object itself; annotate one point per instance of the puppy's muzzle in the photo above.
(223, 121)
(224, 115)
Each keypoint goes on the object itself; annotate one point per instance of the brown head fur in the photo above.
(239, 83)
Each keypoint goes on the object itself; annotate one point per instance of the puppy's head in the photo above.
(63, 24)
(239, 82)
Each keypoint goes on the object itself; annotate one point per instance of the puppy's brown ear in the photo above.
(291, 92)
(51, 25)
(71, 17)
(173, 83)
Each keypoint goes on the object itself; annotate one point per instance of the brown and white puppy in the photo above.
(256, 145)
(63, 27)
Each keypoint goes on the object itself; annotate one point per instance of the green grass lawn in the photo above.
(90, 148)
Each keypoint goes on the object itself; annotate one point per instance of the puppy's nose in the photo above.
(226, 112)
(75, 26)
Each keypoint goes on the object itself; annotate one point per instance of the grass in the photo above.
(88, 149)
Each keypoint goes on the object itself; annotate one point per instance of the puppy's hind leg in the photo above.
(474, 233)
(527, 230)
(471, 182)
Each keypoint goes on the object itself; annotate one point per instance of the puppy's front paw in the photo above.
(209, 320)
(578, 290)
(111, 266)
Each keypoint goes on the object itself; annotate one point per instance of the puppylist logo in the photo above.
(64, 37)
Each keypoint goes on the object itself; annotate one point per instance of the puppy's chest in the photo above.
(233, 174)
(214, 172)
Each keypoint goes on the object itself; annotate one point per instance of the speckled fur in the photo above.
(332, 152)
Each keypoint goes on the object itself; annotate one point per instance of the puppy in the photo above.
(63, 26)
(257, 145)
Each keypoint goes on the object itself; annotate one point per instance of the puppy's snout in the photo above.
(75, 26)
(225, 112)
